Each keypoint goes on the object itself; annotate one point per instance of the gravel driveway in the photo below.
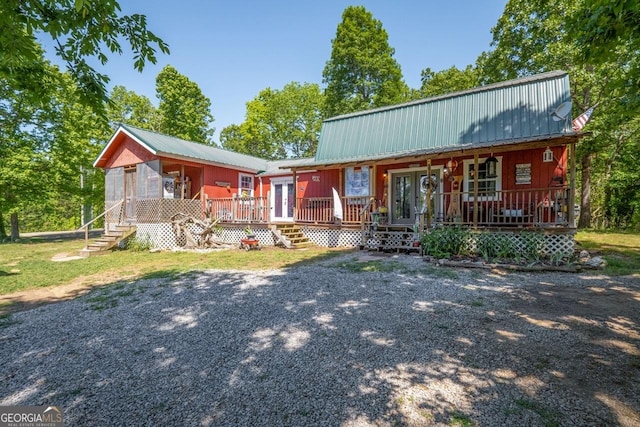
(334, 344)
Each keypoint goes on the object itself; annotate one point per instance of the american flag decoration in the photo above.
(582, 119)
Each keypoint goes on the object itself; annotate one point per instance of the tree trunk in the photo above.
(585, 193)
(15, 230)
(3, 232)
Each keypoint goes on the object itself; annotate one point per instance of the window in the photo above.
(245, 186)
(488, 187)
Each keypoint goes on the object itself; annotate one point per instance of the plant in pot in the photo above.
(249, 232)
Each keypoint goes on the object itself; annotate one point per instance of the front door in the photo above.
(409, 196)
(130, 194)
(282, 199)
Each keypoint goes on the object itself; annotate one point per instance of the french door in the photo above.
(282, 199)
(409, 196)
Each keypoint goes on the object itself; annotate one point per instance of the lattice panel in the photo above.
(333, 238)
(559, 244)
(112, 218)
(233, 235)
(550, 243)
(162, 236)
(149, 211)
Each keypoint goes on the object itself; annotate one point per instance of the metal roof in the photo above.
(503, 113)
(169, 146)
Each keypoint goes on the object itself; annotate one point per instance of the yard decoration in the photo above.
(206, 238)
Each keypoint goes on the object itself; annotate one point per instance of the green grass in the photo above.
(28, 265)
(621, 250)
(356, 266)
(549, 417)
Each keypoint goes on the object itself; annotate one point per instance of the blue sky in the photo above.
(235, 48)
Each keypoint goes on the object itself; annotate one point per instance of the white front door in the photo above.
(282, 199)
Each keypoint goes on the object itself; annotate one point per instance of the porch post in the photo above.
(295, 195)
(572, 184)
(427, 202)
(475, 190)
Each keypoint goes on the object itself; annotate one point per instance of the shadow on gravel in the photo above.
(324, 345)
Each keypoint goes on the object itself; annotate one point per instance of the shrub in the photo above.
(446, 241)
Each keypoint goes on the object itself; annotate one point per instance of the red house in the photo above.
(496, 158)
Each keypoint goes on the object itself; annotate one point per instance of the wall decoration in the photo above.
(523, 173)
(357, 181)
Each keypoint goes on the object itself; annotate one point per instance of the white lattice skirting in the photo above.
(161, 236)
(333, 238)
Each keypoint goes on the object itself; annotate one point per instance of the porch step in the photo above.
(391, 238)
(290, 236)
(107, 241)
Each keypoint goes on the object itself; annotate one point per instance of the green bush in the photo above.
(139, 244)
(446, 241)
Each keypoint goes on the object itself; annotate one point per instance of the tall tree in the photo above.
(449, 80)
(532, 36)
(128, 107)
(185, 111)
(361, 73)
(279, 123)
(82, 31)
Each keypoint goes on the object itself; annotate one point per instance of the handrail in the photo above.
(86, 226)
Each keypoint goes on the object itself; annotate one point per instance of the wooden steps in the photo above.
(107, 241)
(391, 238)
(290, 236)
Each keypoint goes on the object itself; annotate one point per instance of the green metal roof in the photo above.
(169, 146)
(498, 114)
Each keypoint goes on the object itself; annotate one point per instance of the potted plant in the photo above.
(249, 232)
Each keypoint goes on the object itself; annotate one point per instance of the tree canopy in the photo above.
(361, 72)
(279, 123)
(184, 110)
(82, 31)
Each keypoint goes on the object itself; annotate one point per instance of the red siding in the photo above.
(128, 153)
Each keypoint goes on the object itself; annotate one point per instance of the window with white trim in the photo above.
(489, 188)
(245, 185)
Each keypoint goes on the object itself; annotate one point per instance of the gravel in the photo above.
(335, 343)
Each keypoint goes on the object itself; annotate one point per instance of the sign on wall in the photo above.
(523, 173)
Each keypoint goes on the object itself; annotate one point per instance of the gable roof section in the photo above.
(168, 146)
(499, 114)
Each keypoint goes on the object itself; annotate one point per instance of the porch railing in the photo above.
(319, 210)
(541, 207)
(239, 209)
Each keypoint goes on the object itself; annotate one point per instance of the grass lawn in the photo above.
(29, 264)
(620, 249)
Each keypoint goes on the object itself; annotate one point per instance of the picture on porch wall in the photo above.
(357, 181)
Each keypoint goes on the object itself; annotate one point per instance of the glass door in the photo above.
(282, 199)
(409, 196)
(403, 199)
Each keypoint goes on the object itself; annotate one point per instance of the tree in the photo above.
(185, 111)
(447, 81)
(601, 27)
(81, 31)
(361, 73)
(128, 107)
(532, 36)
(279, 123)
